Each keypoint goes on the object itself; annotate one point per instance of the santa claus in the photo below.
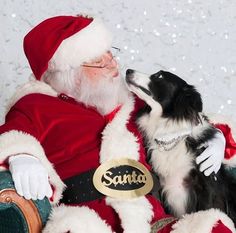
(75, 122)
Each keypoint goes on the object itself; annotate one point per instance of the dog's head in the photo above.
(166, 93)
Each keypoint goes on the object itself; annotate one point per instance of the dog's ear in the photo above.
(188, 103)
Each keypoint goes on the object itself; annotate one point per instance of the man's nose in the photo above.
(113, 63)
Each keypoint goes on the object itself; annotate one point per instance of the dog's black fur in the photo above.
(179, 102)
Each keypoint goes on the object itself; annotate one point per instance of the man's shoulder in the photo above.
(36, 98)
(35, 89)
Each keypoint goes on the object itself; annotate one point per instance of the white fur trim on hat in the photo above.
(89, 43)
(75, 219)
(16, 142)
(202, 222)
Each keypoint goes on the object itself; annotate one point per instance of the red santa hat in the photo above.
(65, 42)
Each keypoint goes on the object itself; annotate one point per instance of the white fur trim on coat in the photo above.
(118, 142)
(16, 142)
(135, 214)
(230, 163)
(75, 219)
(31, 87)
(89, 43)
(202, 222)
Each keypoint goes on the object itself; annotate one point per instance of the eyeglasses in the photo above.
(97, 64)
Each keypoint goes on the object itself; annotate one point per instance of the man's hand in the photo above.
(30, 177)
(213, 155)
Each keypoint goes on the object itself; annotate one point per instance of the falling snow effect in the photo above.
(194, 39)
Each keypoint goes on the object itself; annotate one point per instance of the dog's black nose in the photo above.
(129, 71)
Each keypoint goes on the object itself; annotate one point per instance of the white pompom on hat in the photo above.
(65, 42)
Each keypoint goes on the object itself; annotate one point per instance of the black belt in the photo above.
(80, 188)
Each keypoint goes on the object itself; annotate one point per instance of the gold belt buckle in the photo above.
(123, 178)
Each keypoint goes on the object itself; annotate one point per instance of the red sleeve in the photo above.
(220, 228)
(17, 119)
(21, 133)
(230, 148)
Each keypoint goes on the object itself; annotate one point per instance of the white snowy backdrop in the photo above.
(196, 39)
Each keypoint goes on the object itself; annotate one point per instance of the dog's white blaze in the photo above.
(141, 79)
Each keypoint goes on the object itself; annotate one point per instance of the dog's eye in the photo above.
(158, 75)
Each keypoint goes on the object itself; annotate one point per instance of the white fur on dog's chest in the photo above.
(173, 167)
(171, 163)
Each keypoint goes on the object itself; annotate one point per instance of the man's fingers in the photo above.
(217, 168)
(31, 180)
(206, 164)
(203, 156)
(49, 190)
(42, 187)
(17, 184)
(208, 171)
(25, 186)
(33, 187)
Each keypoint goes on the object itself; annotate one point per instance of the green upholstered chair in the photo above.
(232, 172)
(18, 215)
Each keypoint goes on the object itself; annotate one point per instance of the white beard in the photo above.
(105, 95)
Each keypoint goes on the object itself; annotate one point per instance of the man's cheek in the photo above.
(77, 82)
(92, 73)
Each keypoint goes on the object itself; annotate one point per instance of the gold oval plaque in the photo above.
(123, 178)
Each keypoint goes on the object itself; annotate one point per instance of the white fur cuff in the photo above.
(17, 142)
(202, 222)
(75, 219)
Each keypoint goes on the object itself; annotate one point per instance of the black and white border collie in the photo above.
(176, 132)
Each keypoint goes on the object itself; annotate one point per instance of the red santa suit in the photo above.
(70, 139)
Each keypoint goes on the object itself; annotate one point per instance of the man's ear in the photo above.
(188, 103)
